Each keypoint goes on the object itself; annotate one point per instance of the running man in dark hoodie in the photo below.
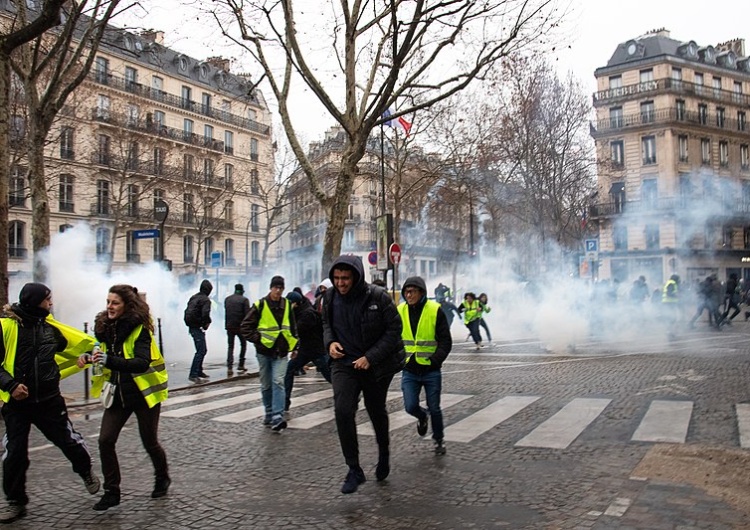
(197, 319)
(362, 334)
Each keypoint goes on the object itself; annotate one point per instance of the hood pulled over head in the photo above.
(206, 287)
(353, 263)
(414, 281)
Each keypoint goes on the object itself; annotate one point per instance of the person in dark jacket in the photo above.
(197, 319)
(362, 334)
(427, 338)
(125, 328)
(310, 347)
(30, 384)
(732, 300)
(271, 326)
(236, 307)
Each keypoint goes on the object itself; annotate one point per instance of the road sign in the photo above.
(161, 210)
(592, 249)
(217, 259)
(145, 234)
(394, 253)
(372, 258)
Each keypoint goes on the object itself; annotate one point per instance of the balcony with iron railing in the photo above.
(672, 86)
(617, 124)
(680, 205)
(154, 94)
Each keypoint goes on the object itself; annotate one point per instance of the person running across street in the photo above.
(271, 326)
(197, 319)
(362, 334)
(36, 352)
(484, 306)
(236, 307)
(427, 341)
(472, 311)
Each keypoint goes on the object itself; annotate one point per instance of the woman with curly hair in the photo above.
(133, 364)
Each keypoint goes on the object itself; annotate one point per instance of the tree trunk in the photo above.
(4, 173)
(40, 234)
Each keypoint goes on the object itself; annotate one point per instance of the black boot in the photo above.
(161, 487)
(108, 500)
(383, 469)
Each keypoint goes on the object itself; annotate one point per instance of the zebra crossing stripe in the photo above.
(482, 421)
(402, 418)
(211, 405)
(665, 421)
(199, 396)
(259, 412)
(559, 431)
(743, 424)
(308, 421)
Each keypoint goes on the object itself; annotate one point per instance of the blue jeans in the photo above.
(271, 372)
(199, 339)
(411, 385)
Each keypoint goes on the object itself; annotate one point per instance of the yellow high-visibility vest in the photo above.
(78, 343)
(424, 344)
(471, 311)
(152, 383)
(665, 298)
(269, 328)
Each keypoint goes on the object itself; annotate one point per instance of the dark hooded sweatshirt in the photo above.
(198, 311)
(365, 321)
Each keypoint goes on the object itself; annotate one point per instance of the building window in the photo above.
(703, 114)
(615, 81)
(705, 151)
(744, 157)
(677, 74)
(229, 142)
(620, 237)
(648, 149)
(646, 75)
(254, 183)
(187, 249)
(188, 166)
(647, 112)
(102, 242)
(723, 154)
(187, 96)
(17, 189)
(188, 210)
(206, 104)
(253, 149)
(208, 249)
(680, 103)
(187, 130)
(133, 113)
(101, 70)
(66, 143)
(746, 236)
(720, 117)
(160, 119)
(133, 156)
(103, 104)
(737, 92)
(727, 235)
(615, 117)
(699, 79)
(64, 228)
(102, 197)
(157, 87)
(16, 240)
(686, 190)
(717, 86)
(254, 218)
(208, 170)
(349, 237)
(229, 251)
(229, 211)
(228, 175)
(158, 161)
(133, 194)
(741, 120)
(617, 192)
(131, 78)
(649, 193)
(652, 236)
(66, 193)
(682, 148)
(131, 248)
(208, 132)
(103, 149)
(255, 254)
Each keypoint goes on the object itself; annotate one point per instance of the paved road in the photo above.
(535, 438)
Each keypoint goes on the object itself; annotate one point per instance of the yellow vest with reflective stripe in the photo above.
(471, 311)
(269, 328)
(424, 344)
(152, 383)
(665, 298)
(78, 343)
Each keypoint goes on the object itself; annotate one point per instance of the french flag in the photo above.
(401, 121)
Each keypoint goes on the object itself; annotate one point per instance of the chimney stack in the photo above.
(152, 35)
(219, 62)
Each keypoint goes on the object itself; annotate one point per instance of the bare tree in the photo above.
(15, 33)
(51, 67)
(417, 53)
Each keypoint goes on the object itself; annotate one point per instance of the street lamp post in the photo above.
(247, 239)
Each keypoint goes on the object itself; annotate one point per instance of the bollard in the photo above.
(161, 342)
(86, 370)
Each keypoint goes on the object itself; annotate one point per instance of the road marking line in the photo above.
(743, 424)
(204, 395)
(402, 418)
(485, 419)
(259, 412)
(211, 405)
(559, 431)
(618, 507)
(665, 421)
(308, 421)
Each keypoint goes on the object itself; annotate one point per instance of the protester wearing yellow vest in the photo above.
(427, 340)
(270, 325)
(36, 351)
(670, 298)
(132, 362)
(472, 310)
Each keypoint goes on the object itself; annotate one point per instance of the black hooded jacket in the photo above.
(198, 311)
(35, 364)
(365, 321)
(310, 330)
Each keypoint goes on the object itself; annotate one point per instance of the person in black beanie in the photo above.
(36, 351)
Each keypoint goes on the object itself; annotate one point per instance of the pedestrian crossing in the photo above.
(663, 421)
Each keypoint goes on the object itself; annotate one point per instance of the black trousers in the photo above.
(148, 425)
(348, 384)
(233, 333)
(51, 418)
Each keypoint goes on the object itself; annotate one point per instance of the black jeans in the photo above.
(348, 384)
(231, 335)
(148, 425)
(320, 362)
(51, 418)
(474, 330)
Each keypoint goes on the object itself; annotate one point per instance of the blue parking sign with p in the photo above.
(592, 245)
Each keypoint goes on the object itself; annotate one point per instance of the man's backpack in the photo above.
(192, 314)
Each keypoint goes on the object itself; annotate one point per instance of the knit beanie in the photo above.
(294, 297)
(33, 294)
(277, 281)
